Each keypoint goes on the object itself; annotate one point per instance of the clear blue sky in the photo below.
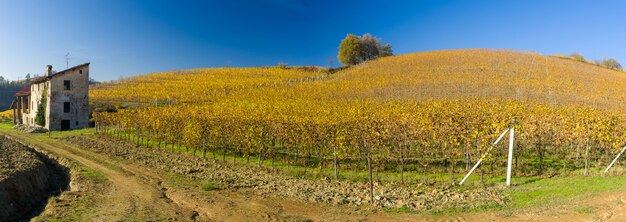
(130, 37)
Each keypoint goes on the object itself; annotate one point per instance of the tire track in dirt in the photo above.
(140, 193)
(130, 197)
(221, 205)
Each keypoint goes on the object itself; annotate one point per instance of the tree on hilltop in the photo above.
(370, 46)
(578, 57)
(351, 50)
(385, 50)
(356, 49)
(611, 64)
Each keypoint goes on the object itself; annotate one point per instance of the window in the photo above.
(77, 123)
(66, 107)
(80, 71)
(66, 84)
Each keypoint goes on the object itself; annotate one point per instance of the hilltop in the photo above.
(491, 74)
(447, 74)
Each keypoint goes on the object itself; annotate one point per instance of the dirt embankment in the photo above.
(27, 179)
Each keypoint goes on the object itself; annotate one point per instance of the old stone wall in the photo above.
(36, 91)
(77, 96)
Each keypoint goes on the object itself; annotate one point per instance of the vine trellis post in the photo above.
(511, 131)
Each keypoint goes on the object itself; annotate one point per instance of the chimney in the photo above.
(48, 70)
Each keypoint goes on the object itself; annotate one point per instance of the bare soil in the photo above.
(138, 188)
(15, 157)
(139, 193)
(27, 178)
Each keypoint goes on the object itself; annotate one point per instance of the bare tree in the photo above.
(330, 61)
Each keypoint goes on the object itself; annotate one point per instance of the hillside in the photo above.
(437, 110)
(449, 74)
(489, 74)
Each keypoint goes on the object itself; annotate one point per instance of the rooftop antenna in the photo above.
(67, 60)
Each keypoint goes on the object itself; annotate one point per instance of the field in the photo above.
(411, 121)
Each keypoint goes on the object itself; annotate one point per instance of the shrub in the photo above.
(611, 64)
(40, 118)
(577, 57)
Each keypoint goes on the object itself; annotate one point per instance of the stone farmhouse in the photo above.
(64, 97)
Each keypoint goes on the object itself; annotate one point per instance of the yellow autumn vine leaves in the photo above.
(433, 103)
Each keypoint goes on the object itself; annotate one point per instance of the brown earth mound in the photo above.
(27, 178)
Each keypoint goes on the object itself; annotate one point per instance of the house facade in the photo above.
(64, 97)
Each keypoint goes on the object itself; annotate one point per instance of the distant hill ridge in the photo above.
(509, 74)
(443, 74)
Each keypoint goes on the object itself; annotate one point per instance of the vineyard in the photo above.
(425, 116)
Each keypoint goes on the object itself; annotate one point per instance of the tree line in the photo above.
(8, 88)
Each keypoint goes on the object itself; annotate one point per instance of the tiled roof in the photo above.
(44, 78)
(24, 92)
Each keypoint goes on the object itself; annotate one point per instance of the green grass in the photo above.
(585, 209)
(80, 208)
(93, 175)
(60, 134)
(404, 209)
(9, 125)
(561, 190)
(465, 209)
(180, 181)
(209, 187)
(6, 125)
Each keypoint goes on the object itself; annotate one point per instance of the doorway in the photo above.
(65, 124)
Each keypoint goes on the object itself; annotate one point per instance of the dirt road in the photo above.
(131, 195)
(139, 193)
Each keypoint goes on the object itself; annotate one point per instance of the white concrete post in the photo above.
(510, 162)
(484, 155)
(617, 157)
(587, 157)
